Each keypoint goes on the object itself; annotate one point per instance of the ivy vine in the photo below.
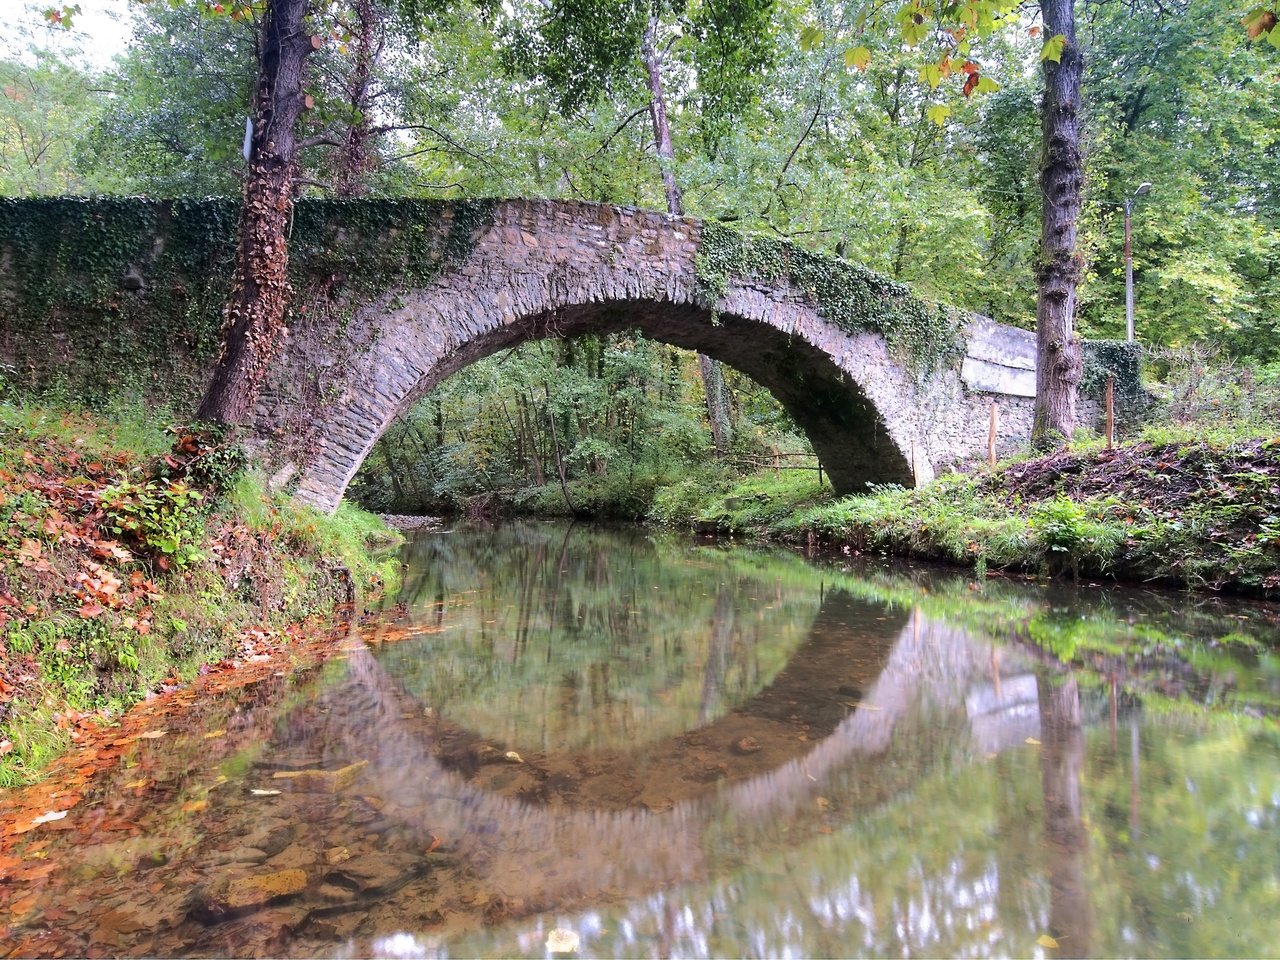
(134, 288)
(1119, 359)
(925, 337)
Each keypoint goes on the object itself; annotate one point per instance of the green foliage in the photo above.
(753, 503)
(177, 99)
(682, 502)
(923, 335)
(238, 557)
(624, 416)
(163, 517)
(1067, 533)
(1171, 98)
(1198, 387)
(1058, 525)
(1118, 359)
(583, 49)
(46, 108)
(1190, 507)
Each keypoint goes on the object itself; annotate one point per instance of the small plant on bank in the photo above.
(1058, 525)
(163, 517)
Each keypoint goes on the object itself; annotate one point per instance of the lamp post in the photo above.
(1142, 191)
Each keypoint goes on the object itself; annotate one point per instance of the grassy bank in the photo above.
(1188, 507)
(131, 556)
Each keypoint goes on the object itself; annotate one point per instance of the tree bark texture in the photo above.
(354, 160)
(712, 376)
(254, 320)
(1058, 368)
(658, 113)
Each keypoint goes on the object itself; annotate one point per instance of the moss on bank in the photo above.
(130, 557)
(1185, 510)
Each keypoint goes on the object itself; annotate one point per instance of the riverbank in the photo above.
(133, 558)
(1187, 509)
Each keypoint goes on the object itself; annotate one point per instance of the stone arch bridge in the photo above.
(875, 407)
(393, 296)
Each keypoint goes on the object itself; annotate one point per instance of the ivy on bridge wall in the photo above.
(101, 296)
(925, 337)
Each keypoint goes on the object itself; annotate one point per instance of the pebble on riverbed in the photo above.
(318, 781)
(228, 897)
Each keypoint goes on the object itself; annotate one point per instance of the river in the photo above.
(576, 740)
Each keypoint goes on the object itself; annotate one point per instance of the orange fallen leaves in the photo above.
(101, 747)
(23, 906)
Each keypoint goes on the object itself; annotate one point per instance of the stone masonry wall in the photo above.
(552, 268)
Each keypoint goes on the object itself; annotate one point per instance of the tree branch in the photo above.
(326, 139)
(617, 130)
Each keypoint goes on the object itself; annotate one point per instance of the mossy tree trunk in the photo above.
(254, 320)
(1058, 368)
(354, 162)
(712, 376)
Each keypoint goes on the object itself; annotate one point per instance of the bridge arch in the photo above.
(358, 357)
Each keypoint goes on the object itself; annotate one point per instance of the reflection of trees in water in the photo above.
(806, 895)
(937, 850)
(578, 637)
(985, 857)
(1062, 762)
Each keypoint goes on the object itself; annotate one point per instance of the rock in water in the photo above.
(227, 897)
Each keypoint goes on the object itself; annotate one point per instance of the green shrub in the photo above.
(166, 518)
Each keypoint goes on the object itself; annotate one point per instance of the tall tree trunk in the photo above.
(658, 113)
(393, 473)
(353, 162)
(253, 322)
(712, 377)
(717, 409)
(1058, 368)
(555, 443)
(531, 443)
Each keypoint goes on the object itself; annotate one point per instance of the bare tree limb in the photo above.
(617, 130)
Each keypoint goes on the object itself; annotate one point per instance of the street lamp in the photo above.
(1142, 191)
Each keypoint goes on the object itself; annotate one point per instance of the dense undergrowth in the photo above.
(130, 556)
(1187, 507)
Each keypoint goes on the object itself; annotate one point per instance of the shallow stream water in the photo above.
(574, 740)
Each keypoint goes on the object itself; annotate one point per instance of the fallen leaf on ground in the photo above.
(20, 908)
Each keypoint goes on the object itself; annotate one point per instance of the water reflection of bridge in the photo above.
(929, 694)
